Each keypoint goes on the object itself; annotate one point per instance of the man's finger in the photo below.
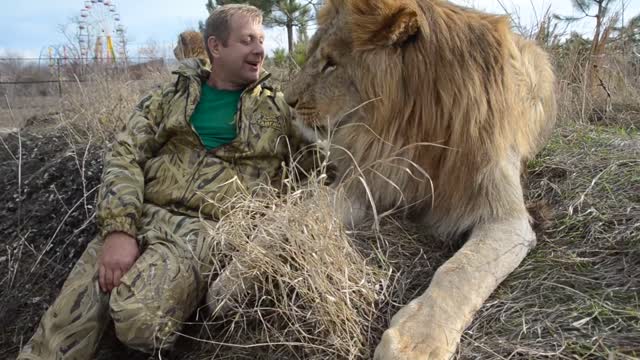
(101, 279)
(117, 274)
(109, 279)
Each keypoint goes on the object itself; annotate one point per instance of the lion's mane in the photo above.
(452, 92)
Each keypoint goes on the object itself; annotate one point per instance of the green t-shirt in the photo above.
(214, 116)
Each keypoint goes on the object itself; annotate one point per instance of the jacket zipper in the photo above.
(201, 160)
(238, 124)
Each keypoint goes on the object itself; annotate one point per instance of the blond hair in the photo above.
(219, 22)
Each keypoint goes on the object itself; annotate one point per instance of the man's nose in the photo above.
(258, 49)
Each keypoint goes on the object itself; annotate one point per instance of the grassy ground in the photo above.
(576, 296)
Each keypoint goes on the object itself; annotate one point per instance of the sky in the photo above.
(29, 27)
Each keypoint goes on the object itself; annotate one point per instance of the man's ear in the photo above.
(382, 23)
(214, 46)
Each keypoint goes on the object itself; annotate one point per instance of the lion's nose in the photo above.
(290, 98)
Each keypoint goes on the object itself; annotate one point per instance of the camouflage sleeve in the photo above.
(121, 193)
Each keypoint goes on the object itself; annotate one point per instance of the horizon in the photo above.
(23, 34)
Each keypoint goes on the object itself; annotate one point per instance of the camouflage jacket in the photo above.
(158, 158)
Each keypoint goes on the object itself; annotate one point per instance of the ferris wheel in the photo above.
(100, 32)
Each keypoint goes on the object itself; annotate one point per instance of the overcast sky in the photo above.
(29, 27)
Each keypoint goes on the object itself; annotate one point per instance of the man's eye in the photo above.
(329, 65)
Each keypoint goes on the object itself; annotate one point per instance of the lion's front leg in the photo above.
(430, 326)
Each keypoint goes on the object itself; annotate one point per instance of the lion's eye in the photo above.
(329, 65)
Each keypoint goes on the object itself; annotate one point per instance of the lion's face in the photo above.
(325, 90)
(354, 71)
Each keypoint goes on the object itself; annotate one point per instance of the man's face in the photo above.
(241, 59)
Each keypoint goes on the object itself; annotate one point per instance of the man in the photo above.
(188, 148)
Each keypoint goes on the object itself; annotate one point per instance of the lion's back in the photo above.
(190, 45)
(535, 81)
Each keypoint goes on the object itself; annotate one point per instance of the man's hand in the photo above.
(119, 252)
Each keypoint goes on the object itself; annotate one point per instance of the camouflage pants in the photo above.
(163, 287)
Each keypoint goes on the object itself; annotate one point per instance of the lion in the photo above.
(437, 107)
(190, 45)
(432, 110)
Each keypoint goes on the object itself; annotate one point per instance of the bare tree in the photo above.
(289, 14)
(606, 21)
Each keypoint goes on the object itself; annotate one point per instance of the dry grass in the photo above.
(616, 96)
(15, 111)
(95, 107)
(314, 289)
(319, 291)
(100, 107)
(576, 294)
(322, 292)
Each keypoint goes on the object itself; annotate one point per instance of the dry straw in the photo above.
(303, 285)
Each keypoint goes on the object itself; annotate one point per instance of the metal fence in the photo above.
(47, 77)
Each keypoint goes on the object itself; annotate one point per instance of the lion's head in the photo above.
(355, 57)
(190, 45)
(429, 86)
(376, 60)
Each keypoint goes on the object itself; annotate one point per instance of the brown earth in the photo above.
(46, 223)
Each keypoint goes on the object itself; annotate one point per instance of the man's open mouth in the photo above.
(253, 64)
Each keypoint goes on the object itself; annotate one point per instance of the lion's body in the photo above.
(437, 106)
(190, 45)
(468, 124)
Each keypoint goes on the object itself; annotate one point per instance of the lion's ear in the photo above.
(382, 23)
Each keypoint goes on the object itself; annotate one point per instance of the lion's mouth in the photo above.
(310, 133)
(309, 117)
(307, 121)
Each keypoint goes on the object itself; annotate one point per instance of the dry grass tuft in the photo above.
(315, 289)
(576, 294)
(99, 107)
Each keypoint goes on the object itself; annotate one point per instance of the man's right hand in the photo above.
(119, 252)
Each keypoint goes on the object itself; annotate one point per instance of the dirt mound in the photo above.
(46, 217)
(48, 192)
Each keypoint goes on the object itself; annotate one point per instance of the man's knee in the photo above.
(142, 325)
(154, 298)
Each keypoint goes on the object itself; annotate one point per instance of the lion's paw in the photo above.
(218, 298)
(397, 345)
(231, 289)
